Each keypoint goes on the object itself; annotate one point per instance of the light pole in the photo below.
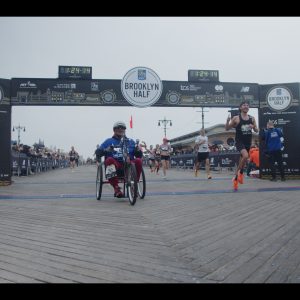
(202, 116)
(165, 122)
(19, 128)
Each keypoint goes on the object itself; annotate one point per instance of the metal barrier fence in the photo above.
(218, 160)
(24, 165)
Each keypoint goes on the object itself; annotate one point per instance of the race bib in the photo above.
(110, 171)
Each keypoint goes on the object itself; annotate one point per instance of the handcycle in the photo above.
(132, 187)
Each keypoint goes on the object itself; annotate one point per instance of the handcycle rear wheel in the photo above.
(142, 185)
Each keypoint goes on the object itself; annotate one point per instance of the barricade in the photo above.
(22, 165)
(218, 161)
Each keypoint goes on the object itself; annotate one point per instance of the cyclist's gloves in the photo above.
(101, 152)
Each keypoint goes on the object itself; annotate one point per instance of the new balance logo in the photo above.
(245, 89)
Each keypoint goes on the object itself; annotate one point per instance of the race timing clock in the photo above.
(74, 72)
(203, 75)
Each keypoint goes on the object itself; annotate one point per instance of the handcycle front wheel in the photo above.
(131, 183)
(142, 185)
(99, 181)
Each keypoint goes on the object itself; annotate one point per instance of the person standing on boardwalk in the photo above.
(201, 143)
(273, 138)
(243, 124)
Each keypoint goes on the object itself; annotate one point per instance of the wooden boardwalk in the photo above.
(186, 230)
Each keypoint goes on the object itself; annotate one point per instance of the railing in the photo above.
(218, 160)
(24, 165)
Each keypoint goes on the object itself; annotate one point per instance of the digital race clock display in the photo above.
(74, 72)
(203, 75)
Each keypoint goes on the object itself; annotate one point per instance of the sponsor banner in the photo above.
(228, 160)
(220, 94)
(280, 104)
(140, 87)
(5, 131)
(185, 160)
(216, 159)
(33, 91)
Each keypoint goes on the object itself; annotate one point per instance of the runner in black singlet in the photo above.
(243, 123)
(72, 155)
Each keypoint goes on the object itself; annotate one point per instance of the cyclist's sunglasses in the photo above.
(120, 127)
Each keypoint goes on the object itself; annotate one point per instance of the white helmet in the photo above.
(119, 124)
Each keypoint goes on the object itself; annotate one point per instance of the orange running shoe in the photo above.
(235, 184)
(240, 178)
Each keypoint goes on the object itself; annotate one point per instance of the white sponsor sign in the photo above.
(141, 87)
(279, 98)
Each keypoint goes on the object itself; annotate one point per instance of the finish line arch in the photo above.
(106, 92)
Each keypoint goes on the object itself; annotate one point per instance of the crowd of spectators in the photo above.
(27, 160)
(38, 151)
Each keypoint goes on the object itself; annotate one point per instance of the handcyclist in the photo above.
(112, 149)
(243, 124)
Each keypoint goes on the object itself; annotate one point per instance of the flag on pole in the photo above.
(130, 123)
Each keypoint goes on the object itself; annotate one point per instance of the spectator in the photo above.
(273, 138)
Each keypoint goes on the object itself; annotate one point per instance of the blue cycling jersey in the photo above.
(118, 144)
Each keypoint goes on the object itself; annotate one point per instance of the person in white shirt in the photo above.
(201, 144)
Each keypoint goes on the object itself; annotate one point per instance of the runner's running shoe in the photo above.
(235, 184)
